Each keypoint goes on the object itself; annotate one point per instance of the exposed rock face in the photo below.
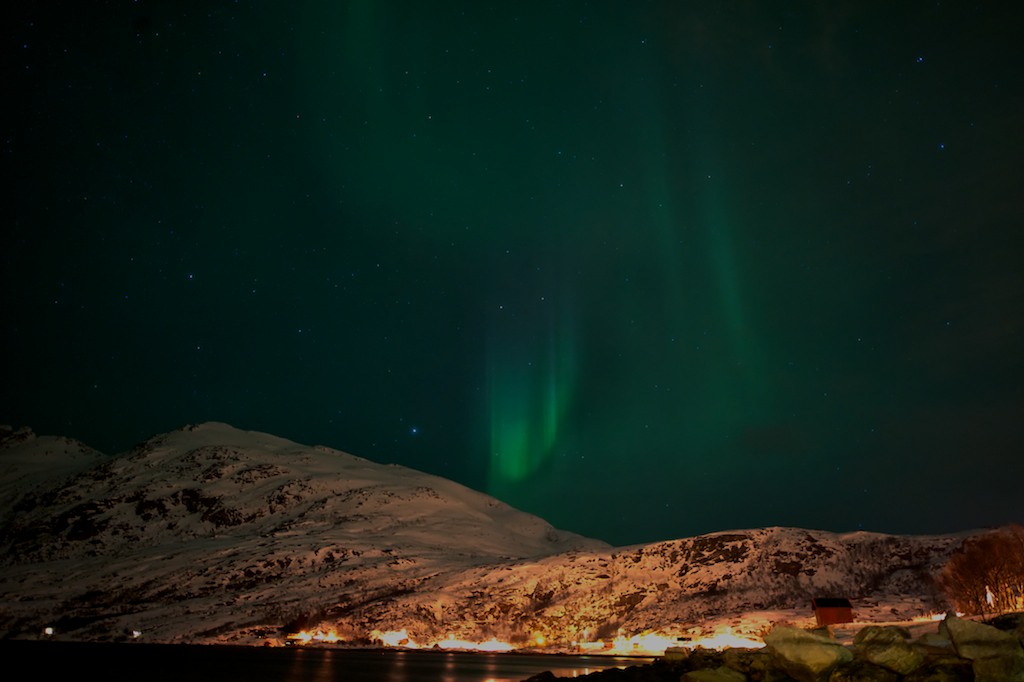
(996, 656)
(889, 648)
(806, 656)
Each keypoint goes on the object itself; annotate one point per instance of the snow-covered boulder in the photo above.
(806, 656)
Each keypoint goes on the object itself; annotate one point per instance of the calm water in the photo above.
(159, 663)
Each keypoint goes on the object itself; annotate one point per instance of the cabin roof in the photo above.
(831, 603)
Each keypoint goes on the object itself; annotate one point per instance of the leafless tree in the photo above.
(987, 574)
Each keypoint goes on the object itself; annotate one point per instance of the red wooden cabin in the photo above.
(832, 610)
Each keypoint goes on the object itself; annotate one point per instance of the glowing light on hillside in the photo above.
(462, 644)
(932, 617)
(724, 639)
(592, 646)
(645, 644)
(401, 639)
(928, 618)
(305, 637)
(396, 638)
(655, 644)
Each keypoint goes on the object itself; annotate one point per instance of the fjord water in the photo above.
(53, 660)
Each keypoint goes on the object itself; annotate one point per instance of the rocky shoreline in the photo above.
(962, 650)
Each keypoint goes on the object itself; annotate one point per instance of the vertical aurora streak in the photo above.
(530, 389)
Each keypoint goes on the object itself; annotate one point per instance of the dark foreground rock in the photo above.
(961, 651)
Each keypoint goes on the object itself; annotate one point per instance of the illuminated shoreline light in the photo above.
(492, 645)
(644, 644)
(401, 639)
(394, 638)
(724, 639)
(305, 637)
(655, 644)
(930, 617)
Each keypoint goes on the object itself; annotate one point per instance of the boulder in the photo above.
(996, 656)
(546, 676)
(720, 674)
(676, 653)
(862, 671)
(934, 640)
(999, 669)
(976, 640)
(898, 657)
(881, 634)
(1010, 622)
(888, 647)
(701, 659)
(756, 664)
(805, 656)
(949, 669)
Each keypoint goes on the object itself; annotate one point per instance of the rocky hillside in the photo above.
(673, 587)
(214, 534)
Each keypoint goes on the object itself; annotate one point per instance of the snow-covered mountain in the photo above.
(213, 534)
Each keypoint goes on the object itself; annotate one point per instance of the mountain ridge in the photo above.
(213, 534)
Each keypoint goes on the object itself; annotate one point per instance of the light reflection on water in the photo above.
(325, 665)
(177, 663)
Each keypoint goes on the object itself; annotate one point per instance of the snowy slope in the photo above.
(233, 525)
(210, 533)
(673, 587)
(34, 463)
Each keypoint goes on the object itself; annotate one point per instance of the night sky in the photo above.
(645, 269)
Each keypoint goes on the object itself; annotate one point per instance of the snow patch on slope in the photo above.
(214, 534)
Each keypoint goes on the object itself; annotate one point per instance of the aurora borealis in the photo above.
(646, 269)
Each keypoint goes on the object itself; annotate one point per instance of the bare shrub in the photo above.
(987, 574)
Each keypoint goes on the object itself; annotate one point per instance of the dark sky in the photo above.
(645, 269)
